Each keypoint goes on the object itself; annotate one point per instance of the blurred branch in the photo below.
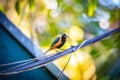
(47, 59)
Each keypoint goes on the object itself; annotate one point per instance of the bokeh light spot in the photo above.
(104, 24)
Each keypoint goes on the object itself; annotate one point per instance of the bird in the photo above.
(57, 43)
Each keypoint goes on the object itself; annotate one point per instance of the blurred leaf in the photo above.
(17, 6)
(49, 13)
(32, 4)
(92, 7)
(107, 42)
(53, 30)
(95, 53)
(105, 78)
(2, 9)
(60, 2)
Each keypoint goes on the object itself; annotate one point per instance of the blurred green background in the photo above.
(43, 20)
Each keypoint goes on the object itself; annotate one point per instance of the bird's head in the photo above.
(64, 36)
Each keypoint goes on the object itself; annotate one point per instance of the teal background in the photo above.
(11, 50)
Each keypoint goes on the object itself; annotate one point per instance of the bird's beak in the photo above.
(66, 36)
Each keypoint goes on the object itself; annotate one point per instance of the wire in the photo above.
(51, 58)
(81, 44)
(69, 59)
(58, 78)
(27, 62)
(17, 62)
(15, 67)
(23, 61)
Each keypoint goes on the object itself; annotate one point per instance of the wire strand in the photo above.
(27, 62)
(23, 61)
(17, 62)
(81, 44)
(15, 67)
(69, 60)
(58, 78)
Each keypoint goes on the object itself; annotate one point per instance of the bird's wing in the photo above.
(55, 41)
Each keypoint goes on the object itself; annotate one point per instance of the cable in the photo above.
(23, 61)
(17, 62)
(49, 59)
(58, 78)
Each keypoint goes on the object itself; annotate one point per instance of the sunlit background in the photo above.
(43, 20)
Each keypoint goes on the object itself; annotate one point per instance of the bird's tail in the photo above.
(47, 51)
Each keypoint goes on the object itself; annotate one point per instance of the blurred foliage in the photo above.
(92, 7)
(32, 4)
(104, 78)
(43, 20)
(17, 6)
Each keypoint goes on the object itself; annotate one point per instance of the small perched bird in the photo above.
(58, 42)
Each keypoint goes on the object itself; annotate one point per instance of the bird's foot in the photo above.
(72, 46)
(57, 51)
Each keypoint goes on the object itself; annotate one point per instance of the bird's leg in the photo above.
(57, 51)
(62, 49)
(72, 46)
